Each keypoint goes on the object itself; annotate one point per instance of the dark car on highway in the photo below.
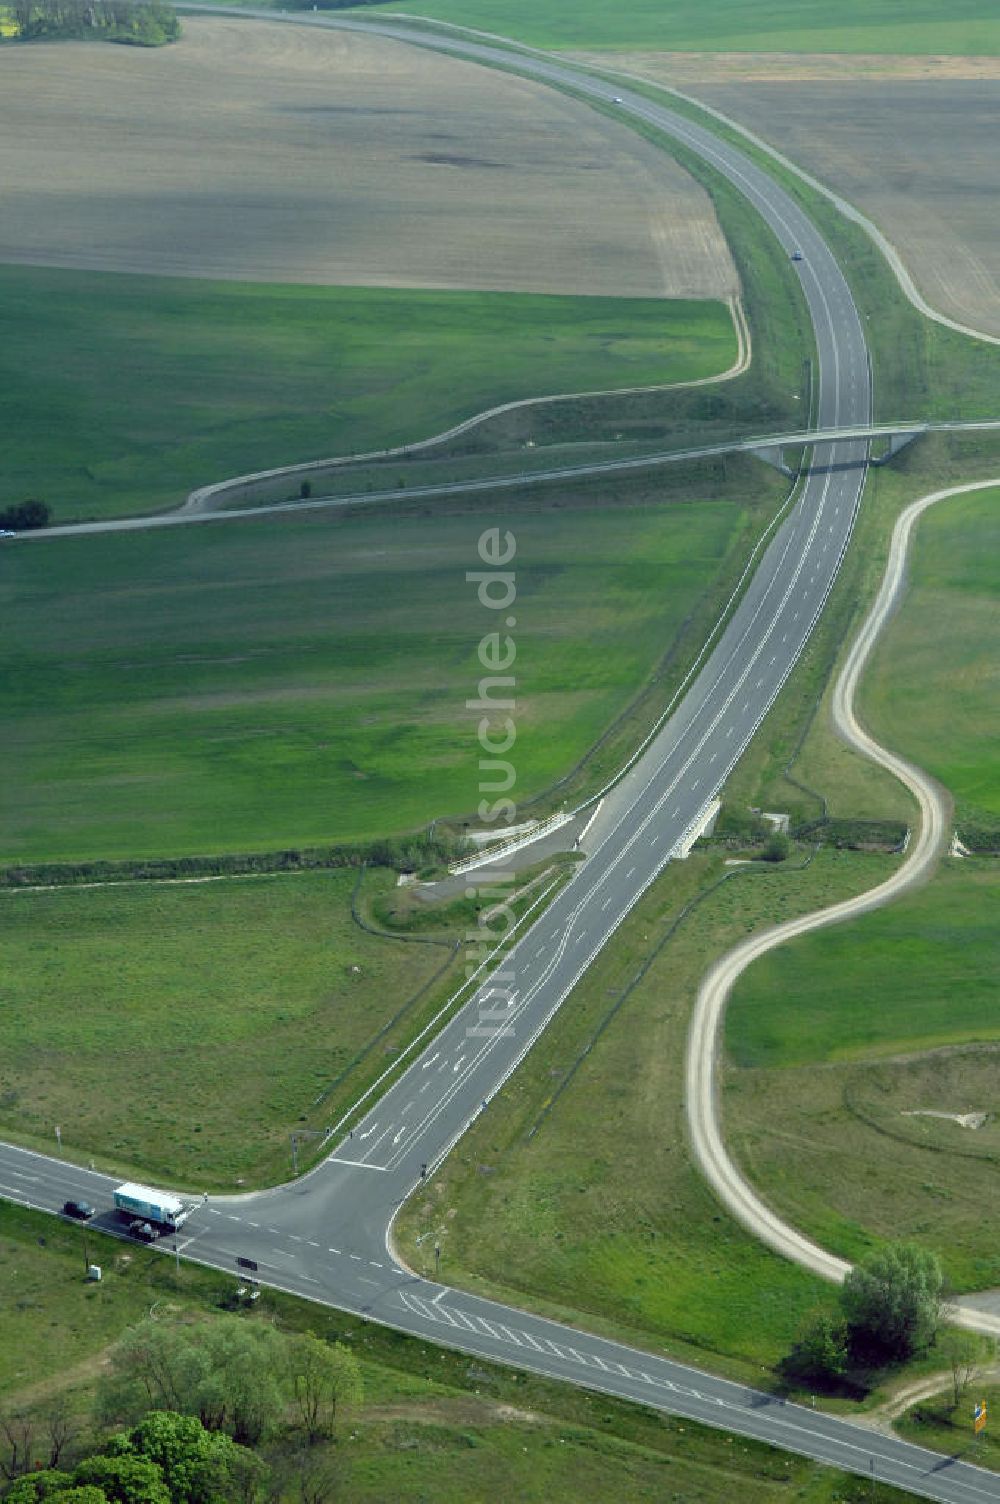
(81, 1210)
(144, 1231)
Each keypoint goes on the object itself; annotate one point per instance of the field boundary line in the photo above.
(701, 1093)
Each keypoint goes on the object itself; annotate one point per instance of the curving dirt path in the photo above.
(213, 497)
(701, 1093)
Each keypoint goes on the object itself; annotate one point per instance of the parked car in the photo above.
(81, 1210)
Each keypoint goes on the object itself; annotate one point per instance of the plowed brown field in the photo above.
(912, 142)
(264, 151)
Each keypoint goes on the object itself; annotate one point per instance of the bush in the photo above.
(820, 1354)
(25, 516)
(892, 1303)
(775, 848)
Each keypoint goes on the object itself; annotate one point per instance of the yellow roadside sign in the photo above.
(979, 1417)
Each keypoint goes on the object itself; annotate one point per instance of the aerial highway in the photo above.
(327, 1235)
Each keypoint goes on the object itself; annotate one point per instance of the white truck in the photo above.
(141, 1203)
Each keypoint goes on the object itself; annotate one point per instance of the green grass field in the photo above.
(125, 392)
(251, 981)
(431, 1424)
(931, 688)
(729, 25)
(931, 960)
(284, 683)
(854, 1029)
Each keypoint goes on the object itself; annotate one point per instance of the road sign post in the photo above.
(979, 1417)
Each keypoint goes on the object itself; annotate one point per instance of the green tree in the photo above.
(892, 1302)
(125, 1480)
(85, 1493)
(227, 1372)
(323, 1377)
(821, 1351)
(25, 515)
(34, 1487)
(157, 1365)
(198, 1466)
(963, 1353)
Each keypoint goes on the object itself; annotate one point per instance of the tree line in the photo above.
(226, 1411)
(144, 23)
(422, 853)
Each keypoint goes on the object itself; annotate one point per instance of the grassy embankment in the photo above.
(884, 26)
(127, 392)
(432, 1423)
(842, 1156)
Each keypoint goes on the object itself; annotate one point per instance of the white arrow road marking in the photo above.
(458, 1063)
(427, 1063)
(368, 1131)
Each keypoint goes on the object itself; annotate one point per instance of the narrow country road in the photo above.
(933, 835)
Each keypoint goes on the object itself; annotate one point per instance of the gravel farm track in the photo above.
(931, 841)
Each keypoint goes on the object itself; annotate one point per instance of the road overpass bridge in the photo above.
(897, 435)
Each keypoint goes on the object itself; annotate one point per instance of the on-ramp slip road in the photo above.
(327, 1236)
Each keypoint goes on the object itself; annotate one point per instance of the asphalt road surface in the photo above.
(326, 1236)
